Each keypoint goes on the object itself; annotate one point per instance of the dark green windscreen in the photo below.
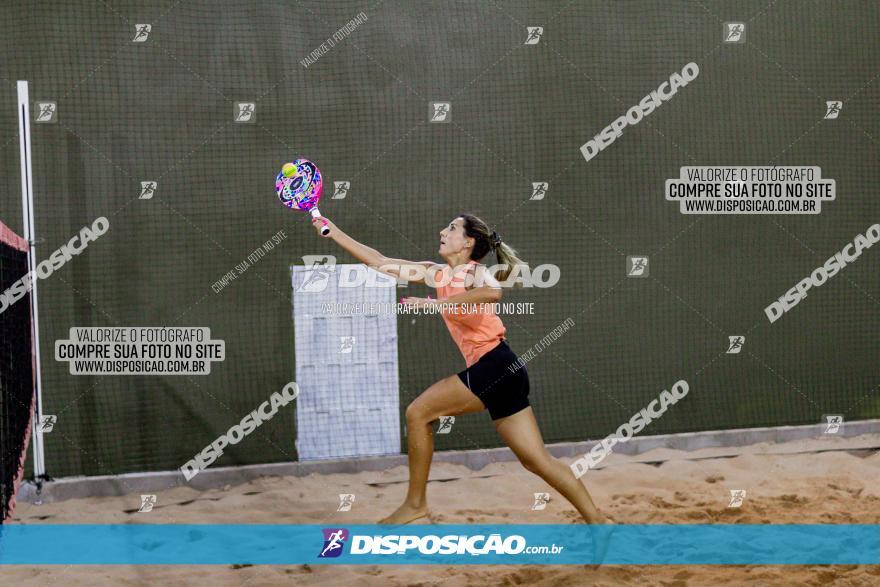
(162, 110)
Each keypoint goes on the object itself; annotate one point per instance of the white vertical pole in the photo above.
(30, 235)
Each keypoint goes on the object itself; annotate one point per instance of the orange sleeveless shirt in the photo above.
(475, 333)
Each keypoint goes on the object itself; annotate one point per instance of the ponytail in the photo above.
(508, 258)
(487, 241)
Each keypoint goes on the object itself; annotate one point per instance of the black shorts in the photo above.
(499, 381)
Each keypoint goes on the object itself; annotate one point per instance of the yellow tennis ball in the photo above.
(288, 169)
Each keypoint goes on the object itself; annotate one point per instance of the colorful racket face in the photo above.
(300, 187)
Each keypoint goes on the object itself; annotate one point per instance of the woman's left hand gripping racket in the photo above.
(299, 185)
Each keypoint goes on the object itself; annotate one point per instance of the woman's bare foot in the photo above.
(601, 534)
(405, 514)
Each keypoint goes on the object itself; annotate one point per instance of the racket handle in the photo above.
(325, 230)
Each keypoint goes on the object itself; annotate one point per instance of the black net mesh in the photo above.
(16, 371)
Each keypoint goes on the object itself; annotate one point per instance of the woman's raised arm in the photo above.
(413, 271)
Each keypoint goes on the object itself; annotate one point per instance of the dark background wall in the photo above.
(162, 110)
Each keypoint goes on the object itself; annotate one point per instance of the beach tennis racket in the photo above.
(299, 185)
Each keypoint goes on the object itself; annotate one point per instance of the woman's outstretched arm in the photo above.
(414, 271)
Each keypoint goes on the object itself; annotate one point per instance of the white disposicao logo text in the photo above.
(320, 268)
(629, 429)
(646, 106)
(450, 544)
(56, 260)
(234, 435)
(823, 273)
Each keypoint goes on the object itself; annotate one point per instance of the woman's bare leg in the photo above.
(447, 397)
(521, 433)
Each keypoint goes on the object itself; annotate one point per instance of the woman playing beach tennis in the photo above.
(493, 379)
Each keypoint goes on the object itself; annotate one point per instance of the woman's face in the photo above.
(453, 239)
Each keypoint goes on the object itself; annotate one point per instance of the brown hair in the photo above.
(488, 240)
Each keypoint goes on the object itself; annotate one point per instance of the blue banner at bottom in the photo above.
(284, 544)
